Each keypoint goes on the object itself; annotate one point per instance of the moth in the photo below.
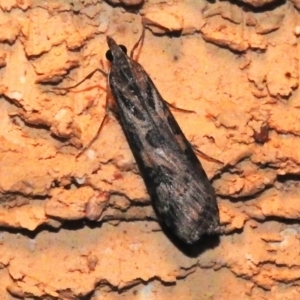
(181, 193)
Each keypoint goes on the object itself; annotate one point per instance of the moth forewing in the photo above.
(181, 193)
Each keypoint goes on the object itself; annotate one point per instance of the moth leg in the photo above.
(195, 148)
(103, 122)
(178, 108)
(205, 156)
(83, 90)
(139, 44)
(81, 81)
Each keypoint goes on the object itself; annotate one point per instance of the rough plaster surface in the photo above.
(83, 227)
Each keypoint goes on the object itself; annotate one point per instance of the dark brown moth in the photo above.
(181, 193)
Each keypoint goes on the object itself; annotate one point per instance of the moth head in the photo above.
(113, 48)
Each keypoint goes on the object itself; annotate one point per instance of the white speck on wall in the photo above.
(22, 79)
(2, 236)
(15, 95)
(32, 244)
(80, 180)
(249, 258)
(61, 113)
(103, 26)
(134, 246)
(91, 154)
(287, 234)
(146, 292)
(297, 30)
(108, 251)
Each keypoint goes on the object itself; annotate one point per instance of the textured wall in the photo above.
(235, 66)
